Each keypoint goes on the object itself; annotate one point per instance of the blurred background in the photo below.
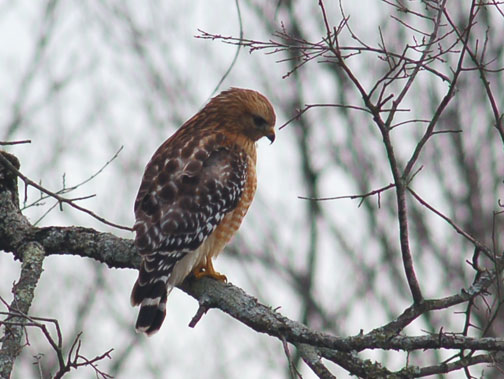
(84, 80)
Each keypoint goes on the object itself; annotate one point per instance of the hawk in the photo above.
(195, 191)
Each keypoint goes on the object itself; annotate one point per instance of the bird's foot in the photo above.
(208, 270)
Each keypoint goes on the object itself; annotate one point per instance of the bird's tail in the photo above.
(151, 291)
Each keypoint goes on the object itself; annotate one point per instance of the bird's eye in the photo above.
(259, 121)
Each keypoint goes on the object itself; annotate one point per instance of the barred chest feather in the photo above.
(232, 221)
(223, 233)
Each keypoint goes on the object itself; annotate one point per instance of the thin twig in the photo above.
(498, 116)
(362, 196)
(6, 143)
(394, 167)
(74, 359)
(60, 199)
(292, 368)
(237, 53)
(441, 107)
(459, 230)
(307, 107)
(204, 306)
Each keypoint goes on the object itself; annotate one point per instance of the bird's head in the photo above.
(246, 112)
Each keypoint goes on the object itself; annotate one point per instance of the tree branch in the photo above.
(399, 182)
(311, 357)
(33, 255)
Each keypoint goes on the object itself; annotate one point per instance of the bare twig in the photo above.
(459, 230)
(60, 199)
(5, 143)
(312, 50)
(394, 166)
(362, 197)
(445, 368)
(442, 106)
(74, 359)
(481, 67)
(237, 53)
(204, 306)
(292, 368)
(66, 189)
(307, 107)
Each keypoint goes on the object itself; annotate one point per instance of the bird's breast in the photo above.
(231, 221)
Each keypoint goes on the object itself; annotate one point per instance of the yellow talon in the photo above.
(208, 270)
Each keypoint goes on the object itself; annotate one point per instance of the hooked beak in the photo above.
(271, 135)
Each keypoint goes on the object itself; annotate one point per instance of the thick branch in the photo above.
(245, 308)
(312, 358)
(484, 281)
(33, 255)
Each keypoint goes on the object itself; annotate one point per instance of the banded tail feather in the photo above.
(152, 288)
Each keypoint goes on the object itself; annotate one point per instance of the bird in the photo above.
(194, 194)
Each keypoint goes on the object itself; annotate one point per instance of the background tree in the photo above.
(392, 135)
